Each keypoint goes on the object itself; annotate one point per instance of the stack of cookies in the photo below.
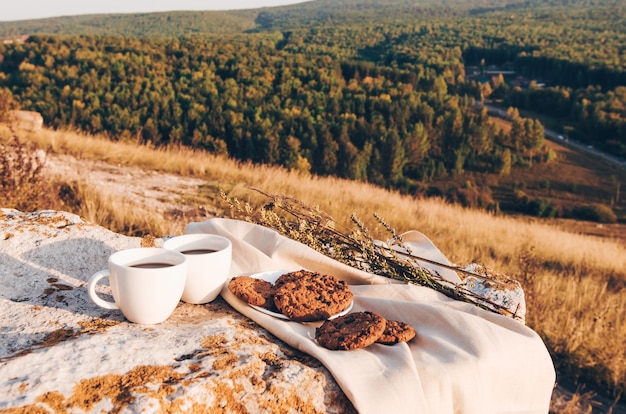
(301, 296)
(361, 329)
(305, 296)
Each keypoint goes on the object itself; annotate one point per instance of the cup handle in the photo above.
(91, 287)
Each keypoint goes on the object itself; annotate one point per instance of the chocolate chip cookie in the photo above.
(396, 331)
(309, 296)
(352, 331)
(254, 291)
(294, 276)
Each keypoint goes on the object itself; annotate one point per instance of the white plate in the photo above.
(272, 276)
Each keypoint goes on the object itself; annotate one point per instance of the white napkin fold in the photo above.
(463, 359)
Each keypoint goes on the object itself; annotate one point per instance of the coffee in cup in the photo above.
(146, 283)
(209, 257)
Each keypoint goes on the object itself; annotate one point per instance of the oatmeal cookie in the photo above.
(396, 331)
(311, 297)
(254, 291)
(352, 331)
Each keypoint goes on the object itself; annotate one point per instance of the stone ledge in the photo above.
(60, 352)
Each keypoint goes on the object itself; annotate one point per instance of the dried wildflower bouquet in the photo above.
(393, 259)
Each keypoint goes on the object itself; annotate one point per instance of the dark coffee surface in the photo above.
(151, 265)
(198, 251)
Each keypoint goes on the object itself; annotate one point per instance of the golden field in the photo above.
(575, 284)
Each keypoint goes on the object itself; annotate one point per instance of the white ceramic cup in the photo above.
(209, 257)
(146, 283)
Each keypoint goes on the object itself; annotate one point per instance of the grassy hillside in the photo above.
(340, 12)
(573, 183)
(574, 283)
(312, 13)
(141, 24)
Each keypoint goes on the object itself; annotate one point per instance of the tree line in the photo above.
(285, 99)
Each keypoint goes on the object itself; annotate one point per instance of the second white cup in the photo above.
(209, 257)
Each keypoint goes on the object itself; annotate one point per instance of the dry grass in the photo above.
(20, 171)
(575, 284)
(119, 214)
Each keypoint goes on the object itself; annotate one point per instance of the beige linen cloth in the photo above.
(463, 359)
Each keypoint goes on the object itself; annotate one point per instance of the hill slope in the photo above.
(313, 13)
(143, 24)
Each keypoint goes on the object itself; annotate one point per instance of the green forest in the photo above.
(373, 91)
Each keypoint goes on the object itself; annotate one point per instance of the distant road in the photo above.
(555, 136)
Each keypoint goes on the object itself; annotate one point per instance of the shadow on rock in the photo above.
(55, 275)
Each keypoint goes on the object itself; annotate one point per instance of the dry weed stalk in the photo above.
(355, 247)
(21, 177)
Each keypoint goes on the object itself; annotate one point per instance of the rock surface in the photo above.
(59, 352)
(27, 120)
